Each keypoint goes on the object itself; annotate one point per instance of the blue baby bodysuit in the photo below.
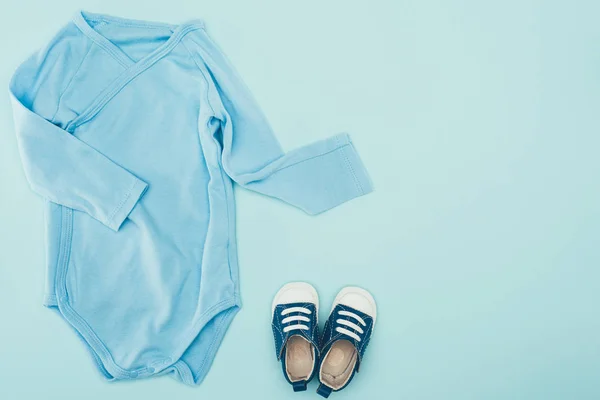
(134, 132)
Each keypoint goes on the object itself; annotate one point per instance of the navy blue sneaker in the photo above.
(345, 338)
(295, 312)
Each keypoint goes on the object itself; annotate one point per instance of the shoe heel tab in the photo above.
(299, 386)
(324, 390)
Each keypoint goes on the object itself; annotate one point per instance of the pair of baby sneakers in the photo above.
(336, 356)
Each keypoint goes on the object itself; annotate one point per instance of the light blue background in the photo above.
(479, 122)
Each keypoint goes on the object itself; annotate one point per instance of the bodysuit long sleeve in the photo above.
(134, 133)
(68, 172)
(314, 178)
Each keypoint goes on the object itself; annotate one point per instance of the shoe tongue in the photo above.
(302, 335)
(298, 335)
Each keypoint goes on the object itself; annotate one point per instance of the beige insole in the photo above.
(299, 358)
(338, 364)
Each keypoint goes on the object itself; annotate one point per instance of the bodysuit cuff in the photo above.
(129, 201)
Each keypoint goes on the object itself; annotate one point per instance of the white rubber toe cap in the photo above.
(296, 292)
(357, 298)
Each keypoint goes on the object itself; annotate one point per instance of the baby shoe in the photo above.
(345, 338)
(295, 311)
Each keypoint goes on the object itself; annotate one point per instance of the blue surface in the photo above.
(479, 126)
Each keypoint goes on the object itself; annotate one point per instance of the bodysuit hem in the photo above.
(103, 359)
(195, 377)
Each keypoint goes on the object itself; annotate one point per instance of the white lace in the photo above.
(295, 318)
(350, 324)
(296, 309)
(351, 314)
